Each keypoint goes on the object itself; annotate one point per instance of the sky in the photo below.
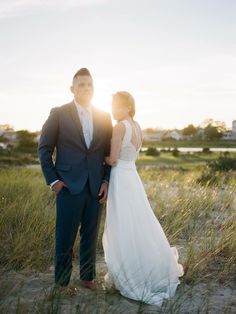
(176, 57)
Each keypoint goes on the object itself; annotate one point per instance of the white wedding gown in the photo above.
(141, 264)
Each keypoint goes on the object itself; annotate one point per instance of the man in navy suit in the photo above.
(80, 134)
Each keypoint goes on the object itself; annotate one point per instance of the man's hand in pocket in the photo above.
(58, 186)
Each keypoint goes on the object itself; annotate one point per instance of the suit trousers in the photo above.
(74, 211)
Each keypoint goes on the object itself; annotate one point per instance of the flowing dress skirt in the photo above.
(141, 264)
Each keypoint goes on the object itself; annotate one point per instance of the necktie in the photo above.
(86, 127)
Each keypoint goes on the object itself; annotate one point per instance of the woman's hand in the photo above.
(110, 162)
(107, 160)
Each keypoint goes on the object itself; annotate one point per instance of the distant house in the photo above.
(227, 135)
(231, 134)
(9, 136)
(37, 136)
(234, 129)
(154, 135)
(3, 145)
(158, 135)
(200, 132)
(175, 134)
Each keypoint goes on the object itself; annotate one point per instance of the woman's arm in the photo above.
(116, 140)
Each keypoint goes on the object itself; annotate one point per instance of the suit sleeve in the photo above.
(47, 144)
(107, 168)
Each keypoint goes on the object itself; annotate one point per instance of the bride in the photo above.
(141, 264)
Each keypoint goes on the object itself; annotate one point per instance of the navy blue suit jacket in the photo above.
(74, 163)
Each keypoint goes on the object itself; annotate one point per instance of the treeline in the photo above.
(22, 141)
(210, 132)
(207, 130)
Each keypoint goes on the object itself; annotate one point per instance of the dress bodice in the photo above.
(128, 151)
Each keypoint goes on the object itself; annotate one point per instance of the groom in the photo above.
(80, 135)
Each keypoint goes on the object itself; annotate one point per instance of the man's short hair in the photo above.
(82, 72)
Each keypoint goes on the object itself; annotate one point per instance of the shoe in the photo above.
(68, 291)
(89, 284)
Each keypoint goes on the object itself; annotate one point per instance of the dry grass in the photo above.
(199, 219)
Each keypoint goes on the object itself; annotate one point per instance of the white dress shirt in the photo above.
(86, 120)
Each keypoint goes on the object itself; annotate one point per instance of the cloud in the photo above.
(12, 8)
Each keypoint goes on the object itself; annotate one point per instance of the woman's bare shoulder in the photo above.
(118, 131)
(119, 127)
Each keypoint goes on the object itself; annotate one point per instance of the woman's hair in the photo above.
(127, 100)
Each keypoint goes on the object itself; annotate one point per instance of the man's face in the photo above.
(82, 89)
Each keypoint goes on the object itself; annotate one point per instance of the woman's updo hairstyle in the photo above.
(125, 99)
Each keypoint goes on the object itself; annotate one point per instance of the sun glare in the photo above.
(102, 101)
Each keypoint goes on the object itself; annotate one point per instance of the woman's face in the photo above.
(119, 110)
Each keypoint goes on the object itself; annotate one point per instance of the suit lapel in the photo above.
(76, 119)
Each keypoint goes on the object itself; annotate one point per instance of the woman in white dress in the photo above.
(141, 264)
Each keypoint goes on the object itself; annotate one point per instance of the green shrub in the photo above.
(206, 150)
(152, 151)
(175, 152)
(223, 163)
(164, 150)
(212, 173)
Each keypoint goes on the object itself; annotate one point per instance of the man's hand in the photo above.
(58, 186)
(103, 193)
(107, 160)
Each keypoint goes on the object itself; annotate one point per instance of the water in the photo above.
(199, 149)
(196, 149)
